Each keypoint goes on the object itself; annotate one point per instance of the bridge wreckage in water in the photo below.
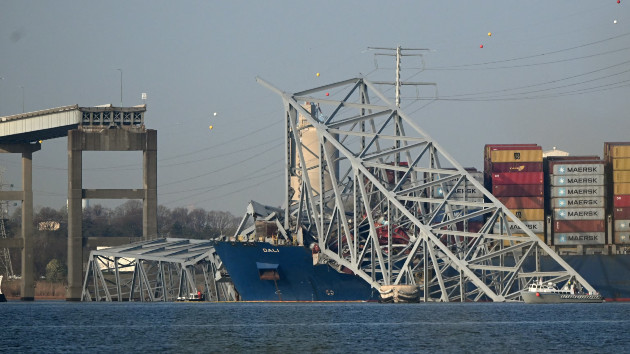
(369, 195)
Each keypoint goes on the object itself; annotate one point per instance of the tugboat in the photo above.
(548, 293)
(2, 297)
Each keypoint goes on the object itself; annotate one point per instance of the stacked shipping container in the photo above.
(514, 174)
(617, 157)
(578, 193)
(576, 200)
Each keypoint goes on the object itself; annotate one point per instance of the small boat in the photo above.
(548, 293)
(198, 296)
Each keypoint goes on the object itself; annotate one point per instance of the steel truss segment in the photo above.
(356, 119)
(156, 270)
(353, 133)
(345, 104)
(384, 219)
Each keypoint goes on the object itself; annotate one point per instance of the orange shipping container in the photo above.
(621, 164)
(529, 214)
(622, 188)
(516, 156)
(621, 176)
(621, 151)
(491, 147)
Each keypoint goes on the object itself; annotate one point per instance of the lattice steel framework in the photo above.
(157, 270)
(6, 265)
(399, 208)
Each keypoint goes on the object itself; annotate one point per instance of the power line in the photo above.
(542, 83)
(606, 87)
(531, 56)
(222, 169)
(208, 190)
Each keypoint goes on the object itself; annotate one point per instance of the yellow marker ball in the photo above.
(210, 127)
(317, 74)
(489, 33)
(40, 141)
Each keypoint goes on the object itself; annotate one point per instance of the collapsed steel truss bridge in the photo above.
(157, 270)
(383, 199)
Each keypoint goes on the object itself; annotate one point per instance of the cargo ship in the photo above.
(562, 199)
(261, 271)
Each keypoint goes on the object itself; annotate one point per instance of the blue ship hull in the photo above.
(261, 271)
(608, 274)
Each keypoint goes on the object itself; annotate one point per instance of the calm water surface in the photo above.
(59, 326)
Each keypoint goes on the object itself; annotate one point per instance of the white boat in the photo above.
(198, 296)
(548, 293)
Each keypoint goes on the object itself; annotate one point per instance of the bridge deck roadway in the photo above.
(53, 123)
(39, 125)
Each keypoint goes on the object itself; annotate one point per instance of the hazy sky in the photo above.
(555, 73)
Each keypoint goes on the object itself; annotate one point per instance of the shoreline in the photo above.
(17, 298)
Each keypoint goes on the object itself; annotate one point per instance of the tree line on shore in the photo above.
(51, 231)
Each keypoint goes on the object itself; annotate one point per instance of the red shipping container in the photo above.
(518, 190)
(621, 200)
(621, 213)
(516, 167)
(517, 178)
(523, 202)
(579, 226)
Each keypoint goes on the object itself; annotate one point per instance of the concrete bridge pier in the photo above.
(26, 196)
(113, 139)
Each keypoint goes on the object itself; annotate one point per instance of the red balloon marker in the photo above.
(481, 46)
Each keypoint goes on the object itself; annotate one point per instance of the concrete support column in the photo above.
(75, 216)
(28, 265)
(26, 196)
(149, 209)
